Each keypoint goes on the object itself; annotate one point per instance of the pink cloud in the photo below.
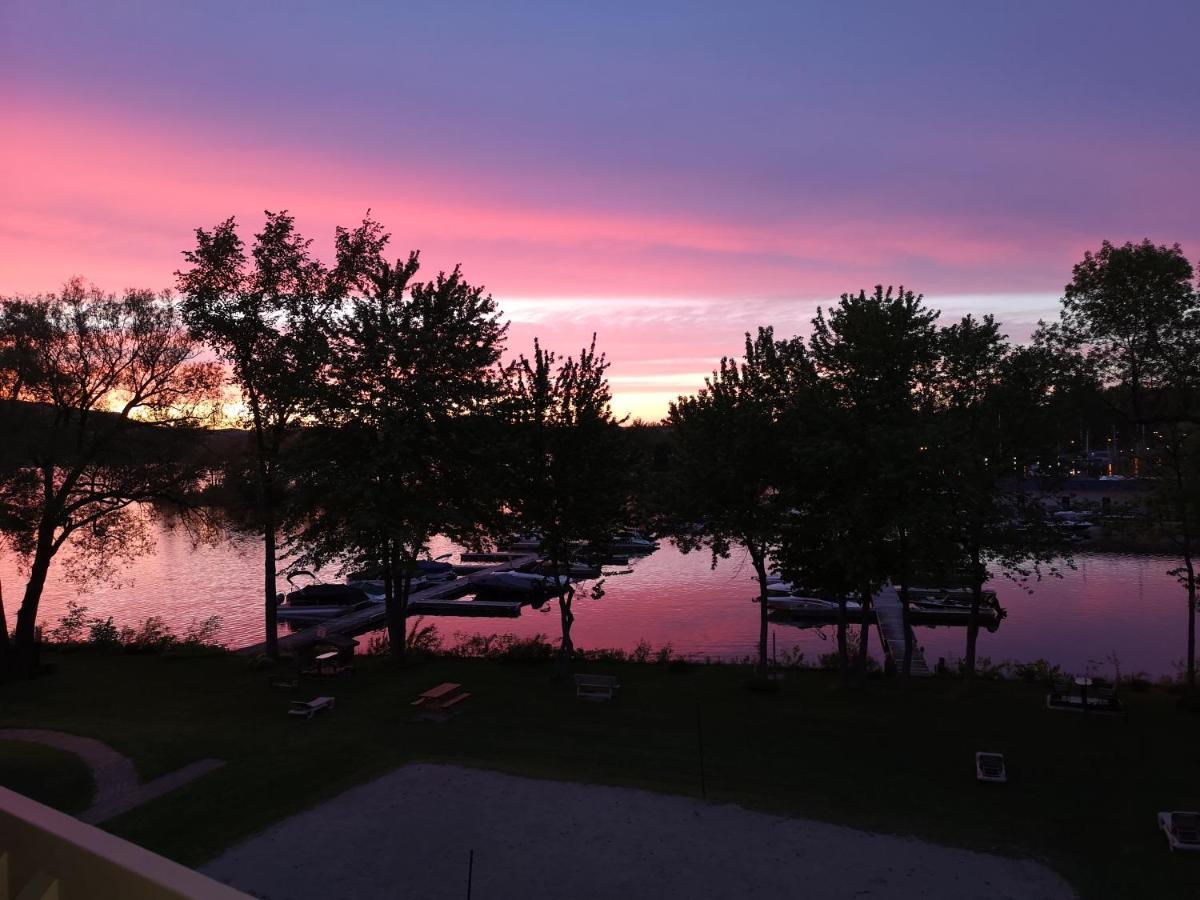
(115, 198)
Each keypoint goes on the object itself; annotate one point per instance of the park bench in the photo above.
(595, 687)
(309, 708)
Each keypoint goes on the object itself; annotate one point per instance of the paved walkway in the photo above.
(409, 833)
(117, 787)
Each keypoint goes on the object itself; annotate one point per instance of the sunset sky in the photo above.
(665, 174)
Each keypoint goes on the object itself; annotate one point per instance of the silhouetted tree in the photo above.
(91, 383)
(1133, 315)
(405, 448)
(875, 355)
(983, 521)
(567, 458)
(267, 318)
(733, 453)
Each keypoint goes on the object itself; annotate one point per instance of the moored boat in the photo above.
(795, 604)
(522, 584)
(322, 601)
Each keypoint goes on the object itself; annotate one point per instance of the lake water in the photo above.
(1112, 605)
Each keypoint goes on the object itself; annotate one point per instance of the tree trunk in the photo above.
(389, 590)
(864, 635)
(906, 666)
(402, 609)
(1190, 570)
(4, 656)
(843, 647)
(25, 636)
(270, 587)
(394, 605)
(760, 569)
(1181, 506)
(566, 648)
(977, 579)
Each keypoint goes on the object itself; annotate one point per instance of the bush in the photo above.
(1139, 682)
(152, 635)
(70, 627)
(761, 685)
(75, 630)
(203, 633)
(1039, 671)
(504, 648)
(104, 633)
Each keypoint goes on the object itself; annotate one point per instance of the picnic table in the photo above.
(328, 663)
(441, 697)
(436, 693)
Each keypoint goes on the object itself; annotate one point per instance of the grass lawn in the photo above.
(50, 776)
(1082, 795)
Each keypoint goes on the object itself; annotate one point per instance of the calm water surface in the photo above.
(1125, 607)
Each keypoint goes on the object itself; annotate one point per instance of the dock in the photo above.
(889, 615)
(375, 615)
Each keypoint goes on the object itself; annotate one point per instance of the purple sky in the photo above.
(668, 177)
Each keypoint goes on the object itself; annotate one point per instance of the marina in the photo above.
(1110, 605)
(429, 600)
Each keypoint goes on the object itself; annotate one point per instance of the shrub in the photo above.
(1140, 682)
(152, 634)
(641, 653)
(763, 685)
(503, 647)
(70, 627)
(203, 633)
(1039, 671)
(423, 640)
(104, 633)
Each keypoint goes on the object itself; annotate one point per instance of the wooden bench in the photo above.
(596, 687)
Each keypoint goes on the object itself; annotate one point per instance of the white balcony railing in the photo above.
(47, 855)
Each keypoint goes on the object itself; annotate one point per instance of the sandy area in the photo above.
(408, 835)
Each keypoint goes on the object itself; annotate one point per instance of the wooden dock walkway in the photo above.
(374, 616)
(889, 614)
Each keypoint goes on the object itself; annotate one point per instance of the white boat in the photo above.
(375, 589)
(632, 542)
(953, 598)
(797, 604)
(1070, 518)
(525, 542)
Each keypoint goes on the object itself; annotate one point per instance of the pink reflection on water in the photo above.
(1112, 604)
